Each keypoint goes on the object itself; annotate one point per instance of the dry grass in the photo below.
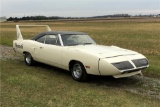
(141, 35)
(43, 85)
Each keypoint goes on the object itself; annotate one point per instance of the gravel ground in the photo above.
(136, 84)
(8, 53)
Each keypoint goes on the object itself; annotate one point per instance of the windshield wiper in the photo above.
(87, 43)
(79, 44)
(73, 44)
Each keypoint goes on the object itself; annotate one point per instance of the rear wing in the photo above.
(19, 35)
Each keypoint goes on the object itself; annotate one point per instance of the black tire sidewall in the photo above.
(32, 61)
(84, 75)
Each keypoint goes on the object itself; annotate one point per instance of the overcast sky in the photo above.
(76, 8)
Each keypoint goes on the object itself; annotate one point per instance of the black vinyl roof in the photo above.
(58, 32)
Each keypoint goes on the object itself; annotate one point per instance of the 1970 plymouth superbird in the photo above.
(78, 53)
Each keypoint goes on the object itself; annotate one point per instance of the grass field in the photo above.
(141, 35)
(43, 85)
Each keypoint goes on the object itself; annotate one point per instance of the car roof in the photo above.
(65, 32)
(58, 32)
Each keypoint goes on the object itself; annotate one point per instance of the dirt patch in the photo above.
(137, 84)
(8, 53)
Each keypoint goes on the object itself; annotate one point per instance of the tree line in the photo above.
(57, 17)
(34, 18)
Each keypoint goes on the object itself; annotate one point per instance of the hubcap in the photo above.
(77, 71)
(28, 59)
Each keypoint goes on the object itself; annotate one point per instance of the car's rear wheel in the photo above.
(28, 59)
(79, 72)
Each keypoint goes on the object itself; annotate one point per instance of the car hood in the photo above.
(104, 51)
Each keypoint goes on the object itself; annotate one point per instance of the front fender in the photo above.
(89, 61)
(106, 68)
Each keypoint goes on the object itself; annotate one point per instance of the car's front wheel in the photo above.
(28, 59)
(79, 72)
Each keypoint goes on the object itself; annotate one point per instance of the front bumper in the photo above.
(127, 74)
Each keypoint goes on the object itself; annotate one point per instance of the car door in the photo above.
(51, 51)
(36, 46)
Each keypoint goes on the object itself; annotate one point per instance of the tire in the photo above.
(28, 59)
(79, 72)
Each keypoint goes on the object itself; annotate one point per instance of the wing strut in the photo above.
(19, 34)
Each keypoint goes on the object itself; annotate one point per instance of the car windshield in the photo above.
(71, 40)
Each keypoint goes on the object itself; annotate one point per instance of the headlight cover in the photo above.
(123, 65)
(140, 62)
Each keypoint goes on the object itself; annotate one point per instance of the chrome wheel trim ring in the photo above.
(77, 71)
(28, 59)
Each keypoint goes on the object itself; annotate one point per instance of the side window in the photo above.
(41, 39)
(52, 39)
(58, 42)
(49, 39)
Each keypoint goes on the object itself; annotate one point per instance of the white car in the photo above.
(78, 53)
